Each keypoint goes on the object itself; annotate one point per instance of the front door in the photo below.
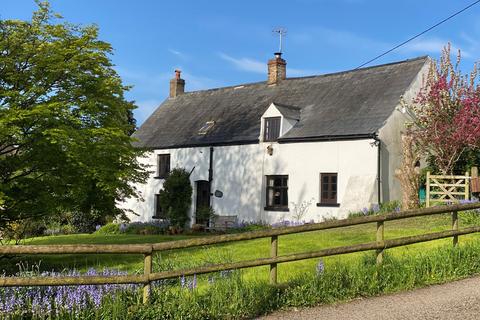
(203, 198)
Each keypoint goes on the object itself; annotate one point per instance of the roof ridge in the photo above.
(362, 69)
(241, 86)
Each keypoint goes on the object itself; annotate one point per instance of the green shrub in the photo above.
(145, 228)
(19, 230)
(109, 228)
(204, 214)
(85, 222)
(386, 207)
(176, 197)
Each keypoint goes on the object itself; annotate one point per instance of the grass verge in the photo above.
(236, 298)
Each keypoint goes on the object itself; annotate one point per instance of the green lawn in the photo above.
(244, 250)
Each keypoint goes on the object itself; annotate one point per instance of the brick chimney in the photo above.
(177, 85)
(277, 69)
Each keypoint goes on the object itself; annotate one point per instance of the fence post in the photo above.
(427, 191)
(273, 254)
(380, 238)
(467, 185)
(455, 227)
(147, 269)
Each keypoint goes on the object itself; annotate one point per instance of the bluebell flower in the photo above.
(194, 282)
(320, 267)
(182, 281)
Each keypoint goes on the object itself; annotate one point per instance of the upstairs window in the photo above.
(271, 129)
(328, 188)
(163, 165)
(277, 193)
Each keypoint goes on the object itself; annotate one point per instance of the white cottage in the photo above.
(314, 147)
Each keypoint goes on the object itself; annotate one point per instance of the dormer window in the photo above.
(271, 129)
(206, 127)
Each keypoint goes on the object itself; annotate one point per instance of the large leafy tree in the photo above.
(64, 121)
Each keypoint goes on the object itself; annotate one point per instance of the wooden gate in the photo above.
(447, 189)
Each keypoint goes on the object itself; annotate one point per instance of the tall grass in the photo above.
(235, 298)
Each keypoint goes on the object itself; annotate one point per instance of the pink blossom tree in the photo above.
(447, 113)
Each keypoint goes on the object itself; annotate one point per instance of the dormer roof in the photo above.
(289, 112)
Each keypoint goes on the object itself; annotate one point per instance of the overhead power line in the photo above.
(419, 34)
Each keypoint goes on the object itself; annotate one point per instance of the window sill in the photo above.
(323, 204)
(160, 177)
(276, 209)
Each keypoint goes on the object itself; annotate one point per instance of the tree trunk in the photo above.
(409, 173)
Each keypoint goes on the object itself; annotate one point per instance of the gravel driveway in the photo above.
(455, 300)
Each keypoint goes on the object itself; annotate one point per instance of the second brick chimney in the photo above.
(277, 69)
(177, 85)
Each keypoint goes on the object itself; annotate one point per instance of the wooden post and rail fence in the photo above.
(380, 245)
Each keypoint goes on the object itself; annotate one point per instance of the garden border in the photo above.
(148, 249)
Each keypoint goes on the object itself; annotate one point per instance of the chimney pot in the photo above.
(177, 85)
(277, 69)
(177, 74)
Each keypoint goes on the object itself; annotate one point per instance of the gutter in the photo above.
(203, 144)
(210, 176)
(329, 138)
(256, 141)
(378, 143)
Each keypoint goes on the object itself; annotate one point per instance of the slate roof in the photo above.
(332, 106)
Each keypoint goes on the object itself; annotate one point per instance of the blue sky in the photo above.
(220, 43)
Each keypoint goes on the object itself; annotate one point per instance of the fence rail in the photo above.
(148, 249)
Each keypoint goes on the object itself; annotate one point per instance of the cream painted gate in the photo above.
(447, 189)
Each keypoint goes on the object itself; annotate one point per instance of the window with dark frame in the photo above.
(163, 168)
(158, 213)
(271, 129)
(277, 193)
(328, 188)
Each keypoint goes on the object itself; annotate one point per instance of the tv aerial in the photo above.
(281, 31)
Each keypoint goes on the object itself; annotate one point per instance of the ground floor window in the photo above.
(328, 189)
(277, 192)
(158, 212)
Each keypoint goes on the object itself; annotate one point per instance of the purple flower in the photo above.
(397, 209)
(57, 300)
(194, 282)
(320, 267)
(376, 208)
(365, 211)
(122, 227)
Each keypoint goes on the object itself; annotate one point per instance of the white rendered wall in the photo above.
(239, 172)
(391, 136)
